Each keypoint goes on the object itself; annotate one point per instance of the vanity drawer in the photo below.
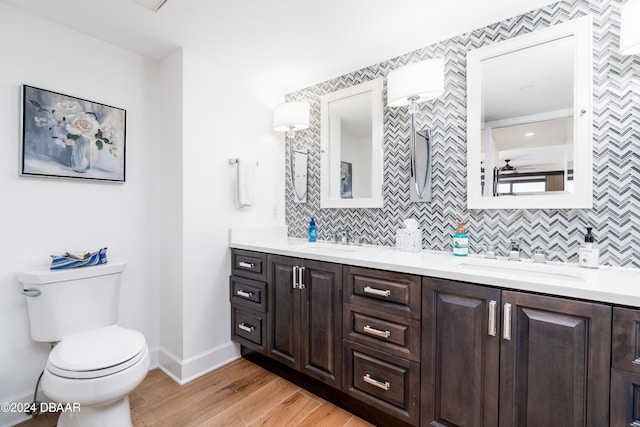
(387, 382)
(393, 334)
(247, 328)
(625, 350)
(386, 291)
(249, 264)
(248, 293)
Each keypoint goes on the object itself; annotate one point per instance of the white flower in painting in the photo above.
(66, 107)
(83, 124)
(67, 121)
(64, 141)
(41, 122)
(109, 132)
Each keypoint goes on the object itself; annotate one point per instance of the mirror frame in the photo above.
(581, 30)
(376, 199)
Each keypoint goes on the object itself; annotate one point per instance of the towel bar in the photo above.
(236, 160)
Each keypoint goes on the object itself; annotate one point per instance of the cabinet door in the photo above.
(283, 326)
(460, 354)
(554, 368)
(625, 398)
(321, 322)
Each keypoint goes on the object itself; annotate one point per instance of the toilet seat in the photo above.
(97, 353)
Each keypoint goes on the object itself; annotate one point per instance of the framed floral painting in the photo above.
(68, 137)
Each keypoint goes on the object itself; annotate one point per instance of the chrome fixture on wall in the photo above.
(629, 28)
(410, 85)
(290, 117)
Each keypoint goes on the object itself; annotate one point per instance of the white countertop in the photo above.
(605, 284)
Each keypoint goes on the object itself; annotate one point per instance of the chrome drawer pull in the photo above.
(377, 292)
(244, 294)
(492, 318)
(506, 326)
(246, 264)
(376, 332)
(295, 277)
(381, 385)
(246, 328)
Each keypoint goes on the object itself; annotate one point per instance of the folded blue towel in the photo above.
(59, 262)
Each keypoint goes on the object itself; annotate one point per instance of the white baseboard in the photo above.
(184, 370)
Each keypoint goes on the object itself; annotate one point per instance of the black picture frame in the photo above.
(68, 137)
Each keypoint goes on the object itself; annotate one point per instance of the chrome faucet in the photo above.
(514, 250)
(539, 256)
(342, 237)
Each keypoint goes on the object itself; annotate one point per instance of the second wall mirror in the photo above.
(529, 120)
(351, 147)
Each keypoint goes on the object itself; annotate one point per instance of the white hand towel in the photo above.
(246, 183)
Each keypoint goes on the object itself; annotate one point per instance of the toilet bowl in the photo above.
(94, 371)
(95, 363)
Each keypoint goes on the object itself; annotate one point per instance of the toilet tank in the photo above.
(72, 300)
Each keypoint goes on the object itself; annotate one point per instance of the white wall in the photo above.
(40, 217)
(170, 219)
(221, 120)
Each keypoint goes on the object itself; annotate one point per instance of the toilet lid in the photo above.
(97, 350)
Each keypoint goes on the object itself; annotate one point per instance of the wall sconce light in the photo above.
(410, 85)
(291, 117)
(630, 28)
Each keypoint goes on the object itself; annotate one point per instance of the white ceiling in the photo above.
(278, 46)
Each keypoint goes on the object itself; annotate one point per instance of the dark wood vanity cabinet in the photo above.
(554, 368)
(381, 334)
(248, 295)
(460, 354)
(625, 368)
(435, 352)
(304, 322)
(507, 358)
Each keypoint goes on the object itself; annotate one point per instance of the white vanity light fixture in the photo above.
(291, 117)
(630, 28)
(409, 85)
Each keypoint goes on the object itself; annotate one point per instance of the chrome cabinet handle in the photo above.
(244, 294)
(247, 328)
(295, 277)
(246, 264)
(506, 326)
(492, 318)
(376, 332)
(301, 284)
(381, 385)
(377, 292)
(31, 292)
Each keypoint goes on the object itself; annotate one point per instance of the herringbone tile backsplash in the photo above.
(616, 153)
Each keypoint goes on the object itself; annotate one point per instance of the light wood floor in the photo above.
(238, 394)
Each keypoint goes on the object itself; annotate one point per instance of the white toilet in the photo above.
(95, 363)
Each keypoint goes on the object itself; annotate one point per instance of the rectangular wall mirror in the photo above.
(351, 147)
(529, 120)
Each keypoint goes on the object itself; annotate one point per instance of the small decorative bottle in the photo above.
(461, 241)
(313, 230)
(589, 254)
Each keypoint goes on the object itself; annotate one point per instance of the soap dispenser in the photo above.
(461, 241)
(313, 230)
(589, 254)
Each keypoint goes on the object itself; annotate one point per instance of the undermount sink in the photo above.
(325, 247)
(522, 270)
